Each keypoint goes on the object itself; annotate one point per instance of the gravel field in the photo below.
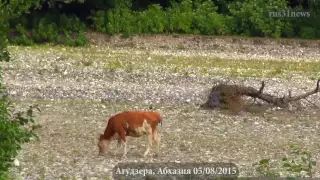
(79, 88)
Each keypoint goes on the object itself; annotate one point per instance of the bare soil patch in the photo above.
(79, 88)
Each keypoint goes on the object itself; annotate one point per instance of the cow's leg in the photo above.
(124, 142)
(157, 139)
(125, 151)
(119, 143)
(150, 138)
(118, 140)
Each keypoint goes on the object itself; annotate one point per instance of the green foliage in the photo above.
(253, 18)
(309, 27)
(241, 17)
(207, 20)
(308, 32)
(4, 16)
(49, 27)
(122, 20)
(15, 130)
(99, 20)
(152, 20)
(24, 38)
(180, 17)
(264, 168)
(10, 11)
(18, 7)
(117, 20)
(299, 163)
(184, 17)
(73, 39)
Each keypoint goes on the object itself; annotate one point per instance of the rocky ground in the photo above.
(78, 88)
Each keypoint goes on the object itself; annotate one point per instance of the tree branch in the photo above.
(238, 90)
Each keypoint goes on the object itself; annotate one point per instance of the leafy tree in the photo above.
(180, 17)
(13, 130)
(253, 17)
(9, 11)
(207, 20)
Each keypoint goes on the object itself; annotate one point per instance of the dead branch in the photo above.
(226, 94)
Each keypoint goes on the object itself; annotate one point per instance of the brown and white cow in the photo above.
(134, 124)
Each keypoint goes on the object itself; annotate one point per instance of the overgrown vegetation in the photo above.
(248, 18)
(299, 163)
(260, 18)
(49, 27)
(23, 23)
(15, 127)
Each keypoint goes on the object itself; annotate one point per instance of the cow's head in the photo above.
(103, 144)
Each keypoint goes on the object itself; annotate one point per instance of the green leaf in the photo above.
(286, 165)
(264, 161)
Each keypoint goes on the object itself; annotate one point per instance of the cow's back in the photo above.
(132, 118)
(154, 116)
(136, 118)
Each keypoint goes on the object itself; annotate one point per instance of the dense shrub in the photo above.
(209, 17)
(48, 27)
(252, 18)
(123, 20)
(119, 19)
(152, 20)
(309, 27)
(15, 130)
(207, 20)
(299, 163)
(186, 17)
(179, 17)
(4, 16)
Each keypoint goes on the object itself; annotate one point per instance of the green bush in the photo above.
(99, 20)
(179, 17)
(185, 17)
(51, 27)
(120, 18)
(206, 20)
(151, 20)
(307, 32)
(240, 17)
(73, 39)
(309, 26)
(123, 20)
(299, 163)
(15, 129)
(4, 16)
(252, 18)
